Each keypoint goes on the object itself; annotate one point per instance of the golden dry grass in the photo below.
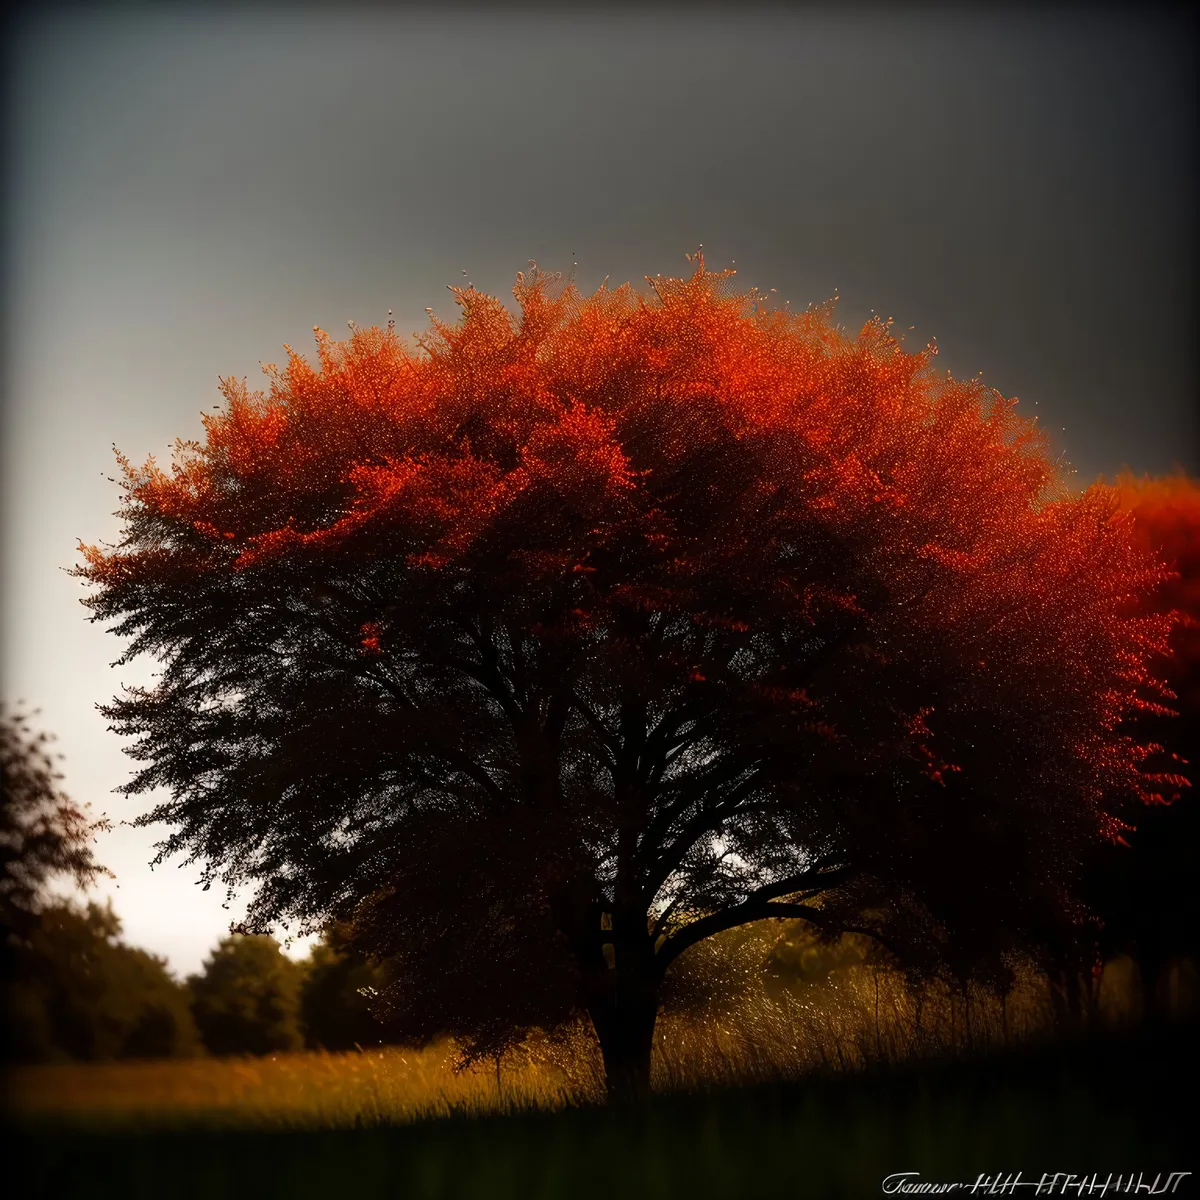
(316, 1089)
(856, 1017)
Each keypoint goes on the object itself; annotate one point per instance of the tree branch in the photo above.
(605, 736)
(702, 822)
(762, 905)
(477, 774)
(689, 792)
(493, 683)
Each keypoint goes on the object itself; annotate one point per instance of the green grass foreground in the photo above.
(1120, 1104)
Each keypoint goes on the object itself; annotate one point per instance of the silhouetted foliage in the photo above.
(335, 996)
(247, 998)
(81, 994)
(526, 652)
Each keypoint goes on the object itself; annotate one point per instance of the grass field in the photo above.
(1103, 1105)
(310, 1090)
(845, 1025)
(808, 1094)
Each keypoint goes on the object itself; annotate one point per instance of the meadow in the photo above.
(1099, 1106)
(799, 1092)
(853, 1019)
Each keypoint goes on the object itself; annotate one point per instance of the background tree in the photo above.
(335, 995)
(247, 998)
(576, 637)
(81, 994)
(43, 835)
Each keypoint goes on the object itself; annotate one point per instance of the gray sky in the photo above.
(186, 192)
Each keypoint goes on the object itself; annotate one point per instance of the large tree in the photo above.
(572, 637)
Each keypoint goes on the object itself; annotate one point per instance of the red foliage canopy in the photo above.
(1144, 892)
(1166, 514)
(681, 609)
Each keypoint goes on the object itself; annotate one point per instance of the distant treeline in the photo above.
(80, 993)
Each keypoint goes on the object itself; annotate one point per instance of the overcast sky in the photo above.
(188, 192)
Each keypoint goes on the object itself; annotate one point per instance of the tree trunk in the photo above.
(620, 980)
(625, 1028)
(624, 1011)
